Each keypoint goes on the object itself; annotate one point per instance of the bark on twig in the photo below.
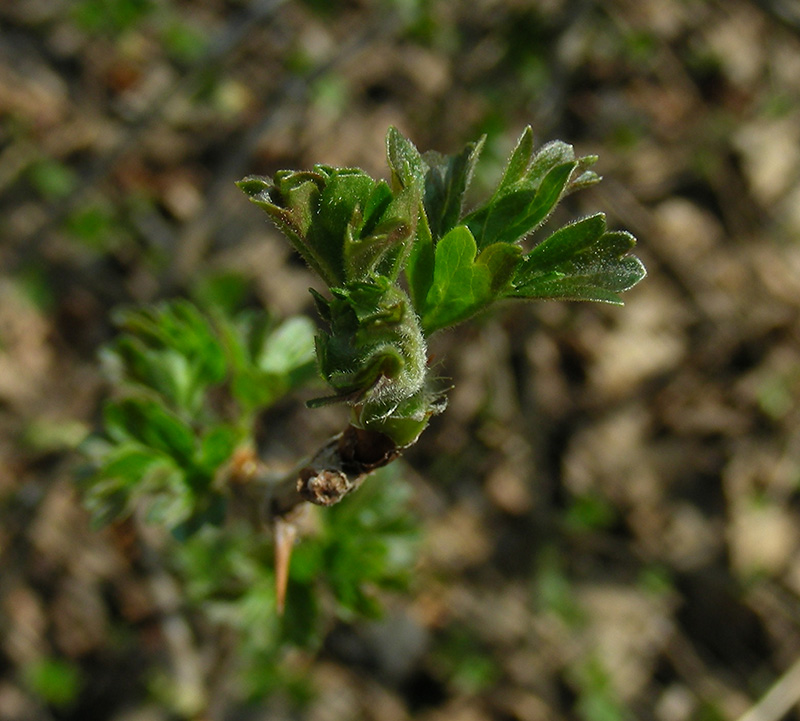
(338, 468)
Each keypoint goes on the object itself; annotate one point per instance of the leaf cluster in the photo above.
(357, 549)
(190, 385)
(462, 262)
(405, 259)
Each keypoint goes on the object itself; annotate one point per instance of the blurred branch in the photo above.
(778, 701)
(338, 468)
(786, 12)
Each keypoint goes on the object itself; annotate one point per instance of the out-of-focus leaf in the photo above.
(172, 349)
(289, 346)
(145, 421)
(216, 447)
(126, 471)
(369, 541)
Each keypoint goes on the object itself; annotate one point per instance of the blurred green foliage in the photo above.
(168, 436)
(111, 16)
(56, 681)
(356, 550)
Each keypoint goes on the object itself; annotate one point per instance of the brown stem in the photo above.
(338, 468)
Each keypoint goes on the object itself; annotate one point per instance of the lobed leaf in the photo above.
(581, 261)
(146, 422)
(465, 282)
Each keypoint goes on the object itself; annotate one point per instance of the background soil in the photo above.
(611, 499)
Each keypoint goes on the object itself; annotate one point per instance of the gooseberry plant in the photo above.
(401, 259)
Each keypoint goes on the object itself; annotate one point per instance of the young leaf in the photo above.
(518, 162)
(381, 247)
(457, 286)
(581, 261)
(419, 269)
(463, 284)
(549, 156)
(147, 423)
(519, 212)
(446, 182)
(291, 201)
(406, 165)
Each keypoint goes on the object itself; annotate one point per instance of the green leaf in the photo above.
(170, 348)
(291, 201)
(289, 347)
(529, 190)
(125, 470)
(456, 288)
(129, 464)
(581, 261)
(446, 182)
(463, 284)
(549, 156)
(419, 269)
(345, 194)
(380, 246)
(518, 213)
(147, 422)
(406, 165)
(501, 261)
(267, 362)
(518, 162)
(216, 447)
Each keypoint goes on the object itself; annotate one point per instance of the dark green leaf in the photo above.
(406, 164)
(565, 243)
(501, 261)
(446, 182)
(580, 262)
(518, 213)
(419, 269)
(146, 422)
(518, 162)
(209, 512)
(216, 447)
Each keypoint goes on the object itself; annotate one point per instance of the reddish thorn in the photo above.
(285, 535)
